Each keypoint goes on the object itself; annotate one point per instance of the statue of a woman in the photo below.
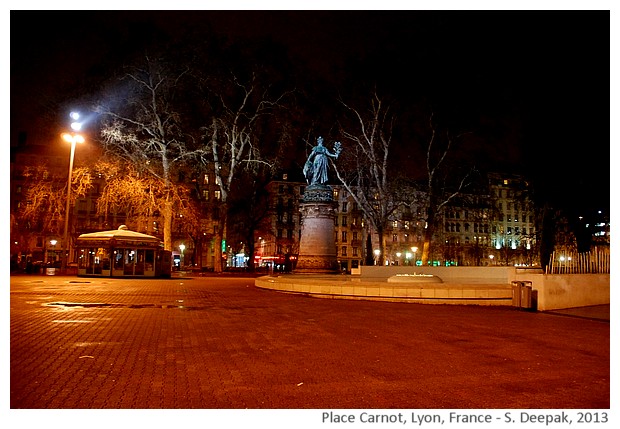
(315, 169)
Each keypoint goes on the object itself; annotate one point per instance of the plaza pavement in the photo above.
(222, 343)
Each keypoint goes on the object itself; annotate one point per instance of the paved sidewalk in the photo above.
(595, 312)
(221, 343)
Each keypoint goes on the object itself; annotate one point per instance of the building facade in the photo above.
(494, 226)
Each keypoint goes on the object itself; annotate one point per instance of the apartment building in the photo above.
(494, 226)
(513, 232)
(40, 244)
(277, 246)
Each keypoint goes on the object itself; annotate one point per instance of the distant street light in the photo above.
(72, 138)
(54, 253)
(182, 248)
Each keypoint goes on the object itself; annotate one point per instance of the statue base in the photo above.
(317, 246)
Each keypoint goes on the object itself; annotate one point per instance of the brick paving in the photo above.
(222, 343)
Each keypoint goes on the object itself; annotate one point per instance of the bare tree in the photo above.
(233, 139)
(143, 126)
(444, 181)
(141, 196)
(364, 172)
(46, 197)
(250, 210)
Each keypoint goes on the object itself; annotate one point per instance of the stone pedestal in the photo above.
(317, 246)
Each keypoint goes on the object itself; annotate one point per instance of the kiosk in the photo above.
(122, 253)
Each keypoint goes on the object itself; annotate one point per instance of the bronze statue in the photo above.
(315, 169)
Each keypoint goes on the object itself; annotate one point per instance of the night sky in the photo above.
(533, 86)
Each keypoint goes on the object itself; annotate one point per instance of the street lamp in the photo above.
(182, 248)
(48, 258)
(72, 138)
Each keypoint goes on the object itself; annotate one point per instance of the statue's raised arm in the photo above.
(315, 168)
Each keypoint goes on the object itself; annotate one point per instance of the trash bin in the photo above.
(50, 271)
(522, 294)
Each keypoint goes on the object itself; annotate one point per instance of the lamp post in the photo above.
(53, 242)
(182, 248)
(72, 138)
(414, 249)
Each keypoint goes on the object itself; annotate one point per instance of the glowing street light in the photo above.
(182, 249)
(72, 138)
(53, 243)
(414, 249)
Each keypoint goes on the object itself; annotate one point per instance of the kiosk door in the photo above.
(119, 263)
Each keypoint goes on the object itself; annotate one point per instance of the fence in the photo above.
(593, 262)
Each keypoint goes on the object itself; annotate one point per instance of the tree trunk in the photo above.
(381, 234)
(370, 259)
(250, 255)
(220, 236)
(428, 235)
(168, 224)
(426, 247)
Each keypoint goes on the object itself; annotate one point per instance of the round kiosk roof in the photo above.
(120, 235)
